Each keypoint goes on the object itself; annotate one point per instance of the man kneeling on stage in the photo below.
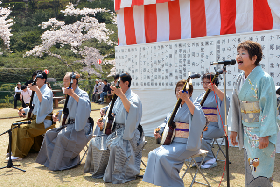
(62, 146)
(116, 157)
(29, 136)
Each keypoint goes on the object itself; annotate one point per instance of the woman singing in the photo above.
(165, 162)
(254, 115)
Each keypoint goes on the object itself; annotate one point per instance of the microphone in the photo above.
(195, 76)
(23, 122)
(226, 62)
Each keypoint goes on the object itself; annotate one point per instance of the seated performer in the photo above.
(165, 162)
(62, 146)
(104, 109)
(116, 157)
(211, 110)
(29, 136)
(254, 115)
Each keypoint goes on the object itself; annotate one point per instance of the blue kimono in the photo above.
(254, 116)
(165, 162)
(215, 128)
(61, 146)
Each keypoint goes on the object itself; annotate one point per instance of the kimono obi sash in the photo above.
(210, 114)
(250, 111)
(182, 130)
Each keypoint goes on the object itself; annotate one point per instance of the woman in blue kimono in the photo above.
(165, 162)
(254, 115)
(212, 106)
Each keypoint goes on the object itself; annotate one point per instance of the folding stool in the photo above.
(141, 159)
(215, 141)
(189, 162)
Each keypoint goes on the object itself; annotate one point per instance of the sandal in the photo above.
(208, 165)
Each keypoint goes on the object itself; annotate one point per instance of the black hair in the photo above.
(42, 75)
(116, 76)
(105, 80)
(23, 87)
(126, 77)
(35, 73)
(253, 49)
(182, 83)
(210, 76)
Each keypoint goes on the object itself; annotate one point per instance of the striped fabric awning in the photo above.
(130, 3)
(182, 19)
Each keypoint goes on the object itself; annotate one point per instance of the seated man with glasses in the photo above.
(213, 104)
(116, 157)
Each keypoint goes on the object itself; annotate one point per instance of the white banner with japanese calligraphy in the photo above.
(156, 67)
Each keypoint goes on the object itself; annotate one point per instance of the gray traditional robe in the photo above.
(29, 136)
(215, 129)
(116, 158)
(61, 146)
(44, 108)
(165, 162)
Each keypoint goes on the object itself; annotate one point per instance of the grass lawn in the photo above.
(38, 175)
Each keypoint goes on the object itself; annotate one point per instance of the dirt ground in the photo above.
(38, 175)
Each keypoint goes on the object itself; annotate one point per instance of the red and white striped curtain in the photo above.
(146, 21)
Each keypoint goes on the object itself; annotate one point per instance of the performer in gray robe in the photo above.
(165, 162)
(29, 136)
(213, 104)
(116, 158)
(62, 146)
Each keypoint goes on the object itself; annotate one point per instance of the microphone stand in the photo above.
(10, 161)
(226, 129)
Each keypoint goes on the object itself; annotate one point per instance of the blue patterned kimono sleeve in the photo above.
(268, 109)
(196, 123)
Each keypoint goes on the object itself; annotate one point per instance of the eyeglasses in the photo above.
(205, 82)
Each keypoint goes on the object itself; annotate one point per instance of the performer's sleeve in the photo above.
(268, 107)
(196, 123)
(132, 118)
(235, 108)
(26, 110)
(221, 106)
(162, 126)
(46, 105)
(59, 114)
(82, 112)
(98, 132)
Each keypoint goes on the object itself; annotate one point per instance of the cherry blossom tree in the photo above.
(5, 24)
(75, 35)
